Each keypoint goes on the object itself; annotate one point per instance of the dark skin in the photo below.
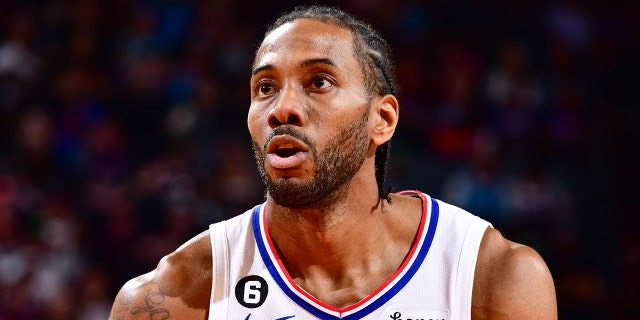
(306, 75)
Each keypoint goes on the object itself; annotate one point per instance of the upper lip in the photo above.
(285, 142)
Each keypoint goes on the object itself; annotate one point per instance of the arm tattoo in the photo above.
(152, 301)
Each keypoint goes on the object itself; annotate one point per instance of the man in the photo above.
(330, 242)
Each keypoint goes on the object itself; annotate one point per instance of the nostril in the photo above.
(274, 122)
(293, 119)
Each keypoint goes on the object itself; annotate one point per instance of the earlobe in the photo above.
(385, 111)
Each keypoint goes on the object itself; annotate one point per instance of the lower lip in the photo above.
(286, 163)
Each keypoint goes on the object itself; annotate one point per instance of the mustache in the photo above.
(289, 130)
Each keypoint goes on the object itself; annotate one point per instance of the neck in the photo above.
(324, 226)
(351, 247)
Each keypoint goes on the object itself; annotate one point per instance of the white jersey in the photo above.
(434, 282)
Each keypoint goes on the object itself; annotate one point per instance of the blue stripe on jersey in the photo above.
(274, 271)
(413, 268)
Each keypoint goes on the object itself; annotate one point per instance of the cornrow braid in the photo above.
(374, 55)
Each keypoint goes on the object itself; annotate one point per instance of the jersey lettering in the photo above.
(418, 315)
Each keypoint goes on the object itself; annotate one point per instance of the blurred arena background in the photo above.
(123, 134)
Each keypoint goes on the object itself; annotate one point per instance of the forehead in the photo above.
(307, 39)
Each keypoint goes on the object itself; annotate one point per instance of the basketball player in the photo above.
(330, 241)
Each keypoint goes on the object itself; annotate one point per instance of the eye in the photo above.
(320, 83)
(265, 89)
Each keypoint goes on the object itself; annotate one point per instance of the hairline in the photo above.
(357, 42)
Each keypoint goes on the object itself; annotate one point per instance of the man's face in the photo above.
(309, 113)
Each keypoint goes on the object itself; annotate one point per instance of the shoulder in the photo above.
(179, 287)
(511, 281)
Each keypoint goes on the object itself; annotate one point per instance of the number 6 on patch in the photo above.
(251, 291)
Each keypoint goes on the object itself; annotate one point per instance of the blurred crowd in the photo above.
(122, 134)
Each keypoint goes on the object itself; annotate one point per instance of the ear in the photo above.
(384, 116)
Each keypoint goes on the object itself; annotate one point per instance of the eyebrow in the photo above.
(258, 69)
(315, 61)
(305, 63)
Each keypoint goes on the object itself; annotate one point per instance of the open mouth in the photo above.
(286, 151)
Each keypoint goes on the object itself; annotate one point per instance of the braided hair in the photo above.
(374, 55)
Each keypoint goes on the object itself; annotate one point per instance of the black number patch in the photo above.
(251, 291)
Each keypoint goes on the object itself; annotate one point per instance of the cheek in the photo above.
(255, 122)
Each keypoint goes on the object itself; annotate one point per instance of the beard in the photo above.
(335, 166)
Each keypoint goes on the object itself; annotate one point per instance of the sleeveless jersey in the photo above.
(434, 282)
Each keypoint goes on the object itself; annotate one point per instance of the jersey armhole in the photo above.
(220, 270)
(467, 267)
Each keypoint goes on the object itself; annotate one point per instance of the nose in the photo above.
(288, 109)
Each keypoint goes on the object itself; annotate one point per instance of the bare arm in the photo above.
(511, 282)
(179, 287)
(140, 298)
